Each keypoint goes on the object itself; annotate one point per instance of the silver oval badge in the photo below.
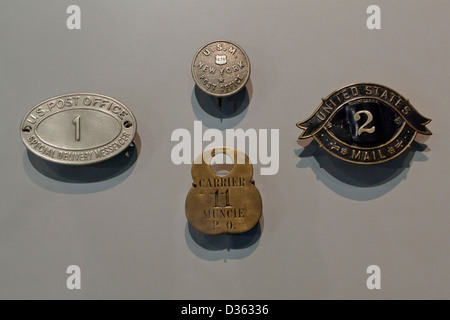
(78, 128)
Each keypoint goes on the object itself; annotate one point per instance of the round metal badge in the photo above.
(78, 128)
(221, 68)
(364, 123)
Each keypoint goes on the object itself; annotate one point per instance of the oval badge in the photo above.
(364, 123)
(78, 128)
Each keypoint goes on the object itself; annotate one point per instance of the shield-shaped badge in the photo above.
(221, 59)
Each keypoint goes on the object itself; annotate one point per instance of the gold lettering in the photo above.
(356, 155)
(321, 116)
(345, 94)
(334, 104)
(392, 97)
(327, 108)
(406, 110)
(366, 156)
(376, 90)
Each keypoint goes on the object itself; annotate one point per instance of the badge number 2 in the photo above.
(369, 119)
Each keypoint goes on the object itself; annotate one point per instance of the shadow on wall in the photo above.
(92, 178)
(361, 182)
(224, 246)
(228, 114)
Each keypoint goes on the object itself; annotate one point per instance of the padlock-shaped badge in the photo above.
(223, 204)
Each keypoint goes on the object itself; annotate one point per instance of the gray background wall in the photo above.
(322, 226)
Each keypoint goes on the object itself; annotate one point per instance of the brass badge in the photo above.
(223, 204)
(364, 123)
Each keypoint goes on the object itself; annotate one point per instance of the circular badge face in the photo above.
(221, 68)
(364, 123)
(78, 128)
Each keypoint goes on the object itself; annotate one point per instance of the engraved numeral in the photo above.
(216, 198)
(227, 198)
(76, 122)
(369, 119)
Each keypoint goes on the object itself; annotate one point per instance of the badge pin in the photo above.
(78, 128)
(221, 68)
(218, 204)
(364, 123)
